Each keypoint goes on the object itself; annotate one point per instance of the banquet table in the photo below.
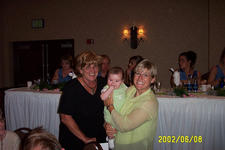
(25, 107)
(199, 119)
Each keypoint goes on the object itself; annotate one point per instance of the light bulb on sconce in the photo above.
(135, 35)
(126, 34)
(140, 33)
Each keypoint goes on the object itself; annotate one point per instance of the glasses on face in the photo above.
(144, 75)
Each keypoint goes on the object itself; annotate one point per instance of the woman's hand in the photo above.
(88, 140)
(109, 101)
(74, 128)
(110, 131)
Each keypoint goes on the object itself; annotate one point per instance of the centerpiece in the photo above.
(178, 89)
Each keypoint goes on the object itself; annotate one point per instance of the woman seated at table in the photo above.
(217, 72)
(104, 66)
(129, 73)
(186, 68)
(62, 74)
(80, 107)
(136, 121)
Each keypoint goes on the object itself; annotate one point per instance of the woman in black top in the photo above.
(80, 108)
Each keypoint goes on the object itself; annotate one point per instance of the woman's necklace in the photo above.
(91, 88)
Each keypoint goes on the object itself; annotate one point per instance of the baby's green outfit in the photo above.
(118, 100)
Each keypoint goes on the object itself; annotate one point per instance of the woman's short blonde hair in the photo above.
(86, 58)
(146, 64)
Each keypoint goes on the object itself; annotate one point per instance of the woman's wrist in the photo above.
(110, 108)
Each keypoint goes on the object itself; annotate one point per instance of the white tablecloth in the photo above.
(28, 108)
(194, 116)
(203, 117)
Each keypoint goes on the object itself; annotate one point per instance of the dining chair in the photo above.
(22, 133)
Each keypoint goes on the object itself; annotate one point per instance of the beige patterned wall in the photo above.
(217, 30)
(171, 27)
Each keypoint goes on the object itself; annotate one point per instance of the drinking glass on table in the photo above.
(158, 86)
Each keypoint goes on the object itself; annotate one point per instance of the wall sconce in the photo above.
(135, 34)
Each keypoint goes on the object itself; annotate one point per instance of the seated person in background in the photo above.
(8, 140)
(104, 66)
(62, 74)
(39, 139)
(217, 72)
(116, 88)
(129, 73)
(186, 68)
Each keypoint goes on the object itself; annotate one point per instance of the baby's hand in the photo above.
(106, 93)
(111, 87)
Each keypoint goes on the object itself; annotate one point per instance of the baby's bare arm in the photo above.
(107, 93)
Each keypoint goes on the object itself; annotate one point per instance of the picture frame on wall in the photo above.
(38, 23)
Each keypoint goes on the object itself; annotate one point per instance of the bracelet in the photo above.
(109, 106)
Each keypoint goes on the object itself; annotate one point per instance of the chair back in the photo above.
(22, 133)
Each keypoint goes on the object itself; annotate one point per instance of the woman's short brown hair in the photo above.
(68, 58)
(42, 138)
(106, 57)
(86, 58)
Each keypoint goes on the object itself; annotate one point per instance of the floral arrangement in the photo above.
(217, 92)
(43, 86)
(180, 91)
(220, 92)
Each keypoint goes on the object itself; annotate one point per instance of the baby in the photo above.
(116, 88)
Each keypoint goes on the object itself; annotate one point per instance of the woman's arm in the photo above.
(74, 128)
(110, 131)
(55, 77)
(138, 116)
(172, 81)
(212, 76)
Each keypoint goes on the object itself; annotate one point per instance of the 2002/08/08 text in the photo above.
(180, 139)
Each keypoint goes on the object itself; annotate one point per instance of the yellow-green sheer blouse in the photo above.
(136, 121)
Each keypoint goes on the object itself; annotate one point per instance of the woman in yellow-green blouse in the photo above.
(136, 121)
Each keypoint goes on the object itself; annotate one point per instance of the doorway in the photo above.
(38, 59)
